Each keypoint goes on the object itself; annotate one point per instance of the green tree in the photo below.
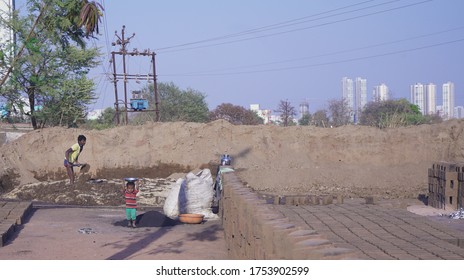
(71, 20)
(320, 118)
(67, 105)
(394, 113)
(305, 119)
(105, 120)
(174, 104)
(235, 114)
(182, 105)
(51, 71)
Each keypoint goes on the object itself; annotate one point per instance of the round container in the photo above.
(131, 179)
(191, 218)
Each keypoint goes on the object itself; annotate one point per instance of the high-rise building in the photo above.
(459, 112)
(348, 92)
(418, 97)
(448, 100)
(355, 96)
(430, 99)
(360, 97)
(304, 108)
(380, 93)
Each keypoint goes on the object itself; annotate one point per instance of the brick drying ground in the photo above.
(379, 232)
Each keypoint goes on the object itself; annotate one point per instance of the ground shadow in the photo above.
(137, 246)
(208, 234)
(423, 198)
(19, 228)
(150, 219)
(178, 246)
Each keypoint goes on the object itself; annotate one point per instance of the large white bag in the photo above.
(196, 194)
(171, 204)
(191, 195)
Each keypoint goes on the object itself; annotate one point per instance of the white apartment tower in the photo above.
(425, 96)
(361, 95)
(448, 100)
(304, 108)
(418, 96)
(355, 95)
(381, 93)
(459, 112)
(431, 97)
(348, 92)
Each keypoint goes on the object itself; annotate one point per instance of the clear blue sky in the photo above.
(264, 51)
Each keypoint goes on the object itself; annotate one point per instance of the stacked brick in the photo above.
(12, 214)
(446, 185)
(307, 199)
(255, 230)
(460, 199)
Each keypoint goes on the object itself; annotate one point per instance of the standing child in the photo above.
(130, 195)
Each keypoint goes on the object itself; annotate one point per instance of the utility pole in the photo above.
(125, 76)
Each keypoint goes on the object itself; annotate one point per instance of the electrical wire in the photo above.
(260, 29)
(166, 49)
(326, 54)
(324, 63)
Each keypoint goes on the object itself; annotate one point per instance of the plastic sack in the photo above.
(196, 194)
(171, 204)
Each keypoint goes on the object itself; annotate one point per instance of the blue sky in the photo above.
(255, 51)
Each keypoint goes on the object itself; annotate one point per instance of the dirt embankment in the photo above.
(354, 161)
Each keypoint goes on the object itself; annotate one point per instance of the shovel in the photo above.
(84, 166)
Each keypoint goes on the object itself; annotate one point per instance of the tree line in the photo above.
(380, 114)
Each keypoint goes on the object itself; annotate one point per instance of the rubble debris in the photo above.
(458, 215)
(86, 230)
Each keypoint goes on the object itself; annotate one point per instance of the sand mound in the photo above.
(354, 161)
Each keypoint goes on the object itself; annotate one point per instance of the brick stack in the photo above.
(12, 215)
(255, 230)
(460, 170)
(446, 185)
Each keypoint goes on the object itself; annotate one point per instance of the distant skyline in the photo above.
(261, 52)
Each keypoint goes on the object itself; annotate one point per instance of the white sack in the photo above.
(171, 204)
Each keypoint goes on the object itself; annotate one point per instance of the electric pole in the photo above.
(123, 42)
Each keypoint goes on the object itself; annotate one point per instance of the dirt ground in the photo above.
(80, 233)
(353, 161)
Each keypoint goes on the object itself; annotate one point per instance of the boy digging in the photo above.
(71, 157)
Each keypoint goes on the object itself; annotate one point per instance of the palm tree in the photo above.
(90, 16)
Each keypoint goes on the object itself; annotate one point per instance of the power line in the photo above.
(329, 63)
(298, 29)
(328, 54)
(259, 29)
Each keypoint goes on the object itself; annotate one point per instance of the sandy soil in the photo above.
(353, 161)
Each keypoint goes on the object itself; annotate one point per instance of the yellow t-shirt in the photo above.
(76, 149)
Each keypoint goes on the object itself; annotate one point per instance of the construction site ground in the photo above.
(375, 231)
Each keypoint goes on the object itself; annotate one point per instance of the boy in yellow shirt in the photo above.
(71, 156)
